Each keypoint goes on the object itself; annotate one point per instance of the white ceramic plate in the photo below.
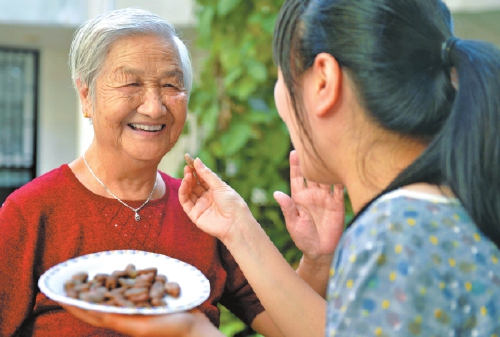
(195, 288)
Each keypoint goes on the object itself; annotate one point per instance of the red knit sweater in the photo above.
(55, 218)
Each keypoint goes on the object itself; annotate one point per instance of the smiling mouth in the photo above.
(148, 128)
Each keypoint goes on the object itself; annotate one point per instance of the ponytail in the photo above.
(465, 154)
(470, 139)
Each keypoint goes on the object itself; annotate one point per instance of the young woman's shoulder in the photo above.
(422, 230)
(417, 262)
(418, 218)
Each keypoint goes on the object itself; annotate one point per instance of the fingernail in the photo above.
(200, 163)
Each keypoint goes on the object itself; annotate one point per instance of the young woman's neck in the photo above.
(377, 164)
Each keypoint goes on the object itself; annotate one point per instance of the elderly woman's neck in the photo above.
(127, 178)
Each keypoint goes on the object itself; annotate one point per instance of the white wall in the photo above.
(57, 126)
(57, 105)
(71, 13)
(40, 12)
(178, 12)
(472, 5)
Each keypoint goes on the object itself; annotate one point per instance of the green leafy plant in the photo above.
(244, 140)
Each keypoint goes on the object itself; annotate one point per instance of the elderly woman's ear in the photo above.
(83, 92)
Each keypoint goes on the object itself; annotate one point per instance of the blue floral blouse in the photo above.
(414, 264)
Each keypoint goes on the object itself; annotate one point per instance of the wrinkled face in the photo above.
(140, 103)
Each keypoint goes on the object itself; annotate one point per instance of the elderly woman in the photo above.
(133, 76)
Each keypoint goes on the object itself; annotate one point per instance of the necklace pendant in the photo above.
(137, 217)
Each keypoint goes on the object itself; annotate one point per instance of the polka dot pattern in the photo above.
(414, 266)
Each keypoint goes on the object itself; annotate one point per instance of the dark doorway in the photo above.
(18, 118)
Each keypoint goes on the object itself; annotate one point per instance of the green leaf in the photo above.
(244, 88)
(205, 17)
(235, 138)
(232, 76)
(207, 158)
(258, 117)
(226, 6)
(230, 59)
(277, 148)
(230, 325)
(268, 23)
(209, 118)
(257, 70)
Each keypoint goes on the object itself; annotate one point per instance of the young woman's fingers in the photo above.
(297, 182)
(288, 207)
(311, 184)
(206, 177)
(338, 192)
(199, 190)
(326, 188)
(193, 198)
(186, 198)
(193, 182)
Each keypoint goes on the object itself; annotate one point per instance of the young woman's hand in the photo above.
(211, 204)
(314, 214)
(314, 217)
(185, 324)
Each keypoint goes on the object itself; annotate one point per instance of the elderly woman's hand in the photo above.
(211, 204)
(185, 324)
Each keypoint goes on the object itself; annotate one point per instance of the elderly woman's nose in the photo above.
(152, 104)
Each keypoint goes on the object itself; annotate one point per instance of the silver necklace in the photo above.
(136, 210)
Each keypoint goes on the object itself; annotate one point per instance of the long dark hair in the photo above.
(392, 49)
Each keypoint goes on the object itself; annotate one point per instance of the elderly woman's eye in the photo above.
(133, 84)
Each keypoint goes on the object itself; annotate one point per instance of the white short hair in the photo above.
(95, 37)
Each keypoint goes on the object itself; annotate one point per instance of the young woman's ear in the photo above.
(327, 82)
(83, 92)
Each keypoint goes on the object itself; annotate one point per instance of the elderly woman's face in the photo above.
(140, 105)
